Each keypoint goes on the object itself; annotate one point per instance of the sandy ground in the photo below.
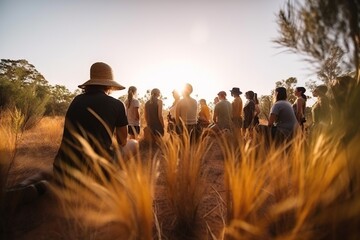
(40, 217)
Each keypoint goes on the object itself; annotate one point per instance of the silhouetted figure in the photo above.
(282, 119)
(222, 113)
(299, 105)
(204, 114)
(96, 117)
(321, 117)
(153, 113)
(133, 115)
(237, 108)
(186, 110)
(171, 117)
(249, 111)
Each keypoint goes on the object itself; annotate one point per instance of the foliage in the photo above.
(23, 87)
(265, 103)
(290, 85)
(10, 123)
(318, 28)
(60, 98)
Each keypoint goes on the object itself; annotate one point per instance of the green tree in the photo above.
(315, 28)
(289, 84)
(59, 100)
(265, 103)
(23, 87)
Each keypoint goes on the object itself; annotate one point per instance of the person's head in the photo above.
(320, 90)
(216, 100)
(188, 89)
(155, 92)
(235, 92)
(175, 94)
(202, 101)
(300, 92)
(132, 90)
(101, 79)
(280, 94)
(249, 95)
(222, 95)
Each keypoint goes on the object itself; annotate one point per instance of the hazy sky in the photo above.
(214, 45)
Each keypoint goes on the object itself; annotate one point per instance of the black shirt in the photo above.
(81, 120)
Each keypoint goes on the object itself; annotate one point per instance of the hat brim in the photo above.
(102, 82)
(236, 92)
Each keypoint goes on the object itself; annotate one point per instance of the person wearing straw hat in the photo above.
(237, 108)
(97, 118)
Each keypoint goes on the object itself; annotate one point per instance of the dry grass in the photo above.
(185, 177)
(116, 196)
(308, 188)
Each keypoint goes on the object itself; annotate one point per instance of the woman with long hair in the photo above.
(300, 105)
(153, 113)
(133, 115)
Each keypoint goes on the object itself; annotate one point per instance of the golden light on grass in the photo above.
(293, 191)
(50, 130)
(117, 196)
(185, 175)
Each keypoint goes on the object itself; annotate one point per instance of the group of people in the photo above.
(186, 114)
(106, 123)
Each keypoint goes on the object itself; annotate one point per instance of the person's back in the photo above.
(237, 108)
(187, 110)
(132, 110)
(286, 121)
(94, 116)
(153, 113)
(84, 122)
(222, 113)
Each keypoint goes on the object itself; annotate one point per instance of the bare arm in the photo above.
(121, 135)
(137, 114)
(299, 108)
(160, 106)
(271, 120)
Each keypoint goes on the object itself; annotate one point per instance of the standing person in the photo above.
(237, 108)
(186, 110)
(321, 116)
(282, 117)
(300, 105)
(249, 111)
(204, 114)
(222, 113)
(257, 111)
(153, 113)
(171, 117)
(133, 115)
(95, 117)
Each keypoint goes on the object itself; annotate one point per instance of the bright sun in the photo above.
(173, 75)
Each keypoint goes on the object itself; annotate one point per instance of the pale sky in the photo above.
(214, 45)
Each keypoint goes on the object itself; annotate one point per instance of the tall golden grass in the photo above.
(307, 188)
(10, 128)
(117, 195)
(185, 176)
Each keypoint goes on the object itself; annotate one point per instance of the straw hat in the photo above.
(101, 75)
(236, 90)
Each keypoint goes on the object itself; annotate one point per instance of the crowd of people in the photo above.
(100, 118)
(109, 125)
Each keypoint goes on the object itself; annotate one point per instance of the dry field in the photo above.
(223, 188)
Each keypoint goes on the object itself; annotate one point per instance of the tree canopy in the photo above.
(23, 87)
(321, 30)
